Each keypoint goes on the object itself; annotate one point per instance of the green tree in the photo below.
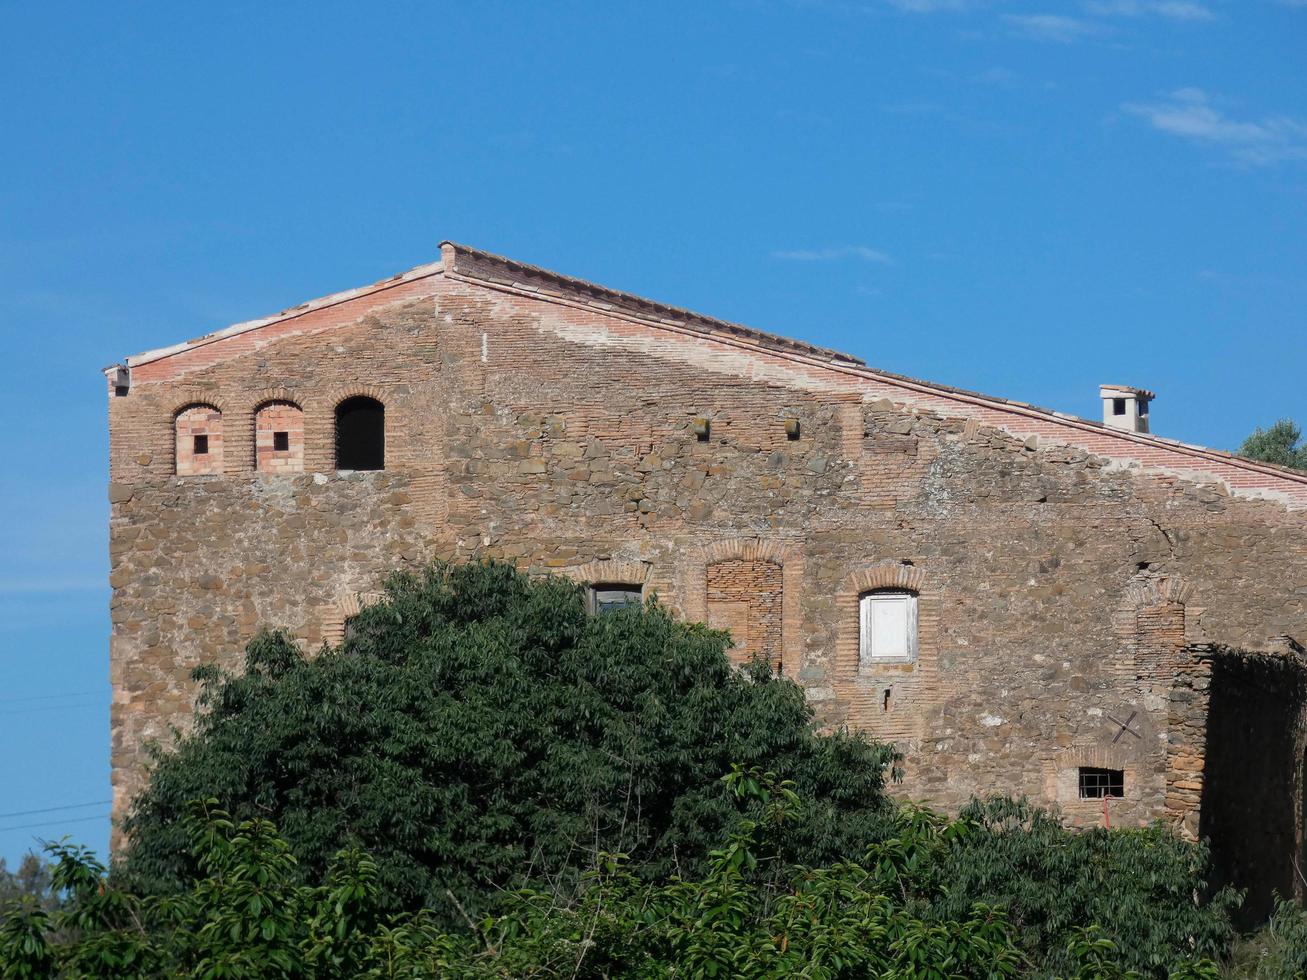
(1280, 444)
(1141, 889)
(478, 731)
(749, 915)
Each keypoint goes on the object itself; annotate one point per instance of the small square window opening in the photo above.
(611, 598)
(1097, 784)
(281, 442)
(201, 446)
(1118, 406)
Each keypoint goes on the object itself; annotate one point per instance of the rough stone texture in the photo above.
(1062, 569)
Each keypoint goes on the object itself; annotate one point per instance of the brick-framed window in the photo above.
(360, 434)
(887, 626)
(279, 437)
(609, 597)
(198, 440)
(1095, 783)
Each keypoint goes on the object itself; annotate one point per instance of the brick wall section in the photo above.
(199, 441)
(745, 598)
(270, 419)
(558, 435)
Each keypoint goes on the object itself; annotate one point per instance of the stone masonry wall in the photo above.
(1055, 587)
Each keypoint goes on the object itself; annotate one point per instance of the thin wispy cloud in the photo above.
(1053, 27)
(928, 6)
(834, 254)
(1190, 114)
(1181, 10)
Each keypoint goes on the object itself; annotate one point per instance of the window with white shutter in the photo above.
(887, 627)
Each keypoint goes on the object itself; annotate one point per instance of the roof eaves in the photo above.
(512, 274)
(322, 302)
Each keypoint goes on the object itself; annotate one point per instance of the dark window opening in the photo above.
(201, 447)
(614, 598)
(1118, 406)
(360, 434)
(1095, 784)
(281, 442)
(1143, 407)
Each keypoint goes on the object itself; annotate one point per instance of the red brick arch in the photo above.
(611, 570)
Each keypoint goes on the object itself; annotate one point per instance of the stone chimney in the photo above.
(1125, 407)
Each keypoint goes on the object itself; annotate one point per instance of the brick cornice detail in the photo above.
(611, 571)
(268, 396)
(335, 395)
(889, 575)
(197, 399)
(1155, 590)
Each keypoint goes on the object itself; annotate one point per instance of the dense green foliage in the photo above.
(1136, 885)
(478, 730)
(1278, 951)
(749, 915)
(1279, 444)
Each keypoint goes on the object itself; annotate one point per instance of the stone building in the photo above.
(1025, 601)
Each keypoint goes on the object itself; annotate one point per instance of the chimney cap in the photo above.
(1116, 391)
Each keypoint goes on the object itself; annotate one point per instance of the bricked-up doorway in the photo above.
(360, 434)
(1252, 805)
(745, 596)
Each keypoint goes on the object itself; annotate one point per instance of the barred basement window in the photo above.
(602, 599)
(887, 626)
(1096, 784)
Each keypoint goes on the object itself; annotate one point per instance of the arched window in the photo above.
(199, 440)
(360, 434)
(279, 438)
(887, 626)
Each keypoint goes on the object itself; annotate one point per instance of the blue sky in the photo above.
(1022, 198)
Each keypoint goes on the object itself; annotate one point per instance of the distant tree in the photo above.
(1280, 444)
(479, 730)
(31, 880)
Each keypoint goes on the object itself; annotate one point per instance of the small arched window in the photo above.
(199, 440)
(887, 626)
(279, 438)
(360, 434)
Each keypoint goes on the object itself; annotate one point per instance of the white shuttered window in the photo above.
(887, 626)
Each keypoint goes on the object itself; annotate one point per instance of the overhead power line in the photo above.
(54, 809)
(32, 826)
(51, 697)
